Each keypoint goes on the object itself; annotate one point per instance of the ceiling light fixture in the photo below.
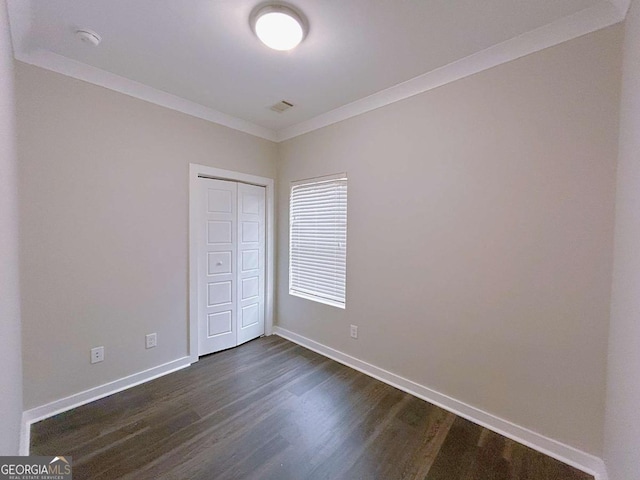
(279, 27)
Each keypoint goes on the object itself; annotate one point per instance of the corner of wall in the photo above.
(10, 339)
(622, 418)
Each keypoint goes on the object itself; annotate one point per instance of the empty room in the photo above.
(320, 239)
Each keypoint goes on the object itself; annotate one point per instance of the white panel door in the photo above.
(251, 261)
(231, 264)
(217, 272)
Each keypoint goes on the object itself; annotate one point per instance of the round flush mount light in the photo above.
(89, 37)
(278, 26)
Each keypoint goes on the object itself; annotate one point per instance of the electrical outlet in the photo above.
(354, 331)
(97, 354)
(151, 340)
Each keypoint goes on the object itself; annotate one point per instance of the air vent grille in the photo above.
(281, 106)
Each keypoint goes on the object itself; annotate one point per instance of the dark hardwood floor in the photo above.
(271, 409)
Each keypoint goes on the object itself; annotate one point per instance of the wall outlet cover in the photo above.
(97, 354)
(151, 340)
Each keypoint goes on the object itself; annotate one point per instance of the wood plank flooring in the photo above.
(271, 409)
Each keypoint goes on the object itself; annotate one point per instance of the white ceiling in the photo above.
(203, 51)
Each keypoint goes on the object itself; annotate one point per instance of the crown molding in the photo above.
(81, 71)
(562, 30)
(20, 15)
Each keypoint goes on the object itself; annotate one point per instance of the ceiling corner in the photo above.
(622, 6)
(564, 29)
(20, 13)
(87, 73)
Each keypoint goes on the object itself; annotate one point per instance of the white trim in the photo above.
(194, 171)
(565, 453)
(62, 405)
(321, 179)
(585, 21)
(25, 435)
(315, 298)
(88, 73)
(562, 30)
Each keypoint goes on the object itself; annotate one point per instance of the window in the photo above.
(318, 239)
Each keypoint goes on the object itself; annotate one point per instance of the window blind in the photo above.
(318, 239)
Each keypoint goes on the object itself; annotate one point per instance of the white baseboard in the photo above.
(62, 405)
(581, 460)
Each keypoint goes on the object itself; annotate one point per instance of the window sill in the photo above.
(326, 301)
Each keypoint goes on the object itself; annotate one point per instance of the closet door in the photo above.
(251, 261)
(217, 267)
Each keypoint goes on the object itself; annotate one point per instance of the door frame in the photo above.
(195, 171)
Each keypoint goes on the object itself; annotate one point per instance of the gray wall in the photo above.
(480, 236)
(104, 227)
(622, 433)
(10, 357)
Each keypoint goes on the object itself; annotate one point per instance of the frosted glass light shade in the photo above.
(279, 27)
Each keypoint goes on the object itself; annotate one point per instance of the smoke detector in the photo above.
(89, 37)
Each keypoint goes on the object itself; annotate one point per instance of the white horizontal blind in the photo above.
(318, 239)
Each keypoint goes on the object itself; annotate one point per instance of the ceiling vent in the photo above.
(281, 106)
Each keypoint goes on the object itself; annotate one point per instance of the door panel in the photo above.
(217, 257)
(218, 262)
(231, 264)
(251, 259)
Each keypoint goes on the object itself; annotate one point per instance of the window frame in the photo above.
(342, 206)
